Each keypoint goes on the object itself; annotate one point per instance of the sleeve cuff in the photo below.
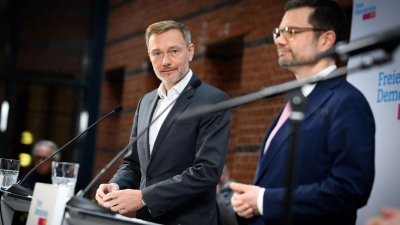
(260, 200)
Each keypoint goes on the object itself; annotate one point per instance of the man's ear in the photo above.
(327, 40)
(191, 52)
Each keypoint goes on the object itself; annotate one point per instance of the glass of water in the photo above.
(9, 171)
(65, 174)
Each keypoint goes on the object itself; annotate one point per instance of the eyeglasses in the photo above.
(289, 32)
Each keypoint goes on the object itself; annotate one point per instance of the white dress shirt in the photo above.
(166, 102)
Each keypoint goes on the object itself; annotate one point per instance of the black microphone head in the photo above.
(117, 108)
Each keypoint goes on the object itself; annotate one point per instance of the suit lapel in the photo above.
(178, 108)
(321, 93)
(273, 149)
(316, 98)
(148, 118)
(261, 165)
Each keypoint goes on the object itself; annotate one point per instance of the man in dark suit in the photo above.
(335, 169)
(172, 171)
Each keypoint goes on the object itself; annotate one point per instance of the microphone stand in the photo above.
(298, 103)
(21, 190)
(79, 201)
(279, 89)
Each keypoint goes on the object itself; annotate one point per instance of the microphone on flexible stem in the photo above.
(79, 201)
(21, 190)
(387, 40)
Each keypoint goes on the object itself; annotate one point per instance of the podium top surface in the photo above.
(16, 202)
(13, 195)
(79, 213)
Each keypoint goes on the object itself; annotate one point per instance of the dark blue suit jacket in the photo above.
(335, 159)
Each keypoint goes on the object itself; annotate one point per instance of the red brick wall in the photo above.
(211, 22)
(51, 27)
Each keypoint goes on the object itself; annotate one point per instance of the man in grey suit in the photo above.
(171, 173)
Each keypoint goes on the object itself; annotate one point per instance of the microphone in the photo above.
(79, 201)
(21, 190)
(266, 92)
(387, 40)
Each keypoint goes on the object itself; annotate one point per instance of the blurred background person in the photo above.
(224, 195)
(40, 151)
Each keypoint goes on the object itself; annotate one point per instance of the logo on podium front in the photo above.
(42, 221)
(48, 204)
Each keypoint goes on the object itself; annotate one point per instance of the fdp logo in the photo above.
(42, 221)
(366, 11)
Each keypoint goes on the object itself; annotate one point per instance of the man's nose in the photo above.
(281, 40)
(166, 60)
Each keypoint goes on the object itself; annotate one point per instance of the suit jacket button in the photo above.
(148, 177)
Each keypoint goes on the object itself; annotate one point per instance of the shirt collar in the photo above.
(308, 88)
(178, 88)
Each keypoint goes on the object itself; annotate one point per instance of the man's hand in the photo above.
(244, 200)
(103, 190)
(123, 201)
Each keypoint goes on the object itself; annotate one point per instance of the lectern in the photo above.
(10, 203)
(80, 216)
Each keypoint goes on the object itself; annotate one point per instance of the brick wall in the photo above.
(53, 42)
(216, 27)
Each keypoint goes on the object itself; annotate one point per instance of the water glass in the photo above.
(9, 171)
(65, 174)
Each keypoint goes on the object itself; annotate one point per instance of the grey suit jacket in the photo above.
(179, 178)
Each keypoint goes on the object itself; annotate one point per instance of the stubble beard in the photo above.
(172, 80)
(296, 61)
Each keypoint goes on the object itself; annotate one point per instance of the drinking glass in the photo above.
(9, 171)
(65, 174)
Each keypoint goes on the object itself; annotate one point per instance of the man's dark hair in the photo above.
(327, 15)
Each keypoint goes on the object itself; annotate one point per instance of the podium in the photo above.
(80, 216)
(10, 203)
